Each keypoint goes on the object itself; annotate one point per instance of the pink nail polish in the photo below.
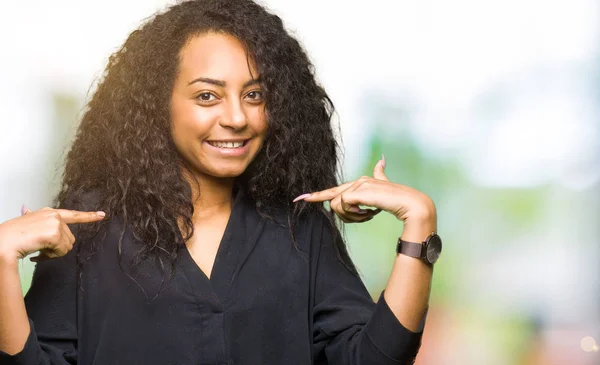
(353, 209)
(303, 196)
(382, 161)
(356, 209)
(23, 209)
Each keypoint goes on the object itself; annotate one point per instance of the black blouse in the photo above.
(267, 302)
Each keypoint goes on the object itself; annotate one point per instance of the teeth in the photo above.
(227, 144)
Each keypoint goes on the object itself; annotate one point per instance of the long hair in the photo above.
(123, 151)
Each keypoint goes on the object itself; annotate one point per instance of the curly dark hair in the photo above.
(123, 150)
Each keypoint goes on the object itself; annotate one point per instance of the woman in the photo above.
(191, 248)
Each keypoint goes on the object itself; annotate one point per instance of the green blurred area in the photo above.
(477, 224)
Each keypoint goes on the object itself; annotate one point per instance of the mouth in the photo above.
(229, 144)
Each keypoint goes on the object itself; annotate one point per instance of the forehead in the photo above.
(216, 55)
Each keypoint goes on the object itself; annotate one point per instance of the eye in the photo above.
(255, 96)
(206, 97)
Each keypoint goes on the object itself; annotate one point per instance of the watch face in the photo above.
(434, 248)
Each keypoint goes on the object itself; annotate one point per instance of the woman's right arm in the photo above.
(46, 231)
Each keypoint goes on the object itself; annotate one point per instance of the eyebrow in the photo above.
(222, 83)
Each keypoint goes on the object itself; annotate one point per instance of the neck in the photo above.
(210, 195)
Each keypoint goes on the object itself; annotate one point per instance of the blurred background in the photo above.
(490, 107)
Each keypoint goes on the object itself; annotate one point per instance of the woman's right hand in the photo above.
(44, 230)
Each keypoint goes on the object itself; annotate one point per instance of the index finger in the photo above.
(75, 216)
(328, 194)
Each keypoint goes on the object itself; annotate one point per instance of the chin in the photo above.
(231, 175)
(221, 169)
(227, 173)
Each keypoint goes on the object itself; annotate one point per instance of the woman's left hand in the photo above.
(405, 203)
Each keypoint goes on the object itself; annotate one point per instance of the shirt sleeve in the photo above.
(348, 327)
(52, 309)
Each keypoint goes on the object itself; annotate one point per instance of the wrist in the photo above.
(418, 231)
(419, 221)
(9, 260)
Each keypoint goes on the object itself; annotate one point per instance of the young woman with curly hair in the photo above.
(195, 189)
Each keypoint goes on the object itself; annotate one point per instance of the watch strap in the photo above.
(411, 249)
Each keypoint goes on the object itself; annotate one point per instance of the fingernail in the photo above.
(382, 161)
(23, 209)
(101, 213)
(353, 209)
(356, 209)
(303, 196)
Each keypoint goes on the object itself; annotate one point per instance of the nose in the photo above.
(235, 116)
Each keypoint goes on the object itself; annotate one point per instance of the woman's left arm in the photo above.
(409, 285)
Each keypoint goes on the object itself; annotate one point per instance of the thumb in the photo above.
(378, 171)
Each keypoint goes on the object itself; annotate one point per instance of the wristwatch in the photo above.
(429, 250)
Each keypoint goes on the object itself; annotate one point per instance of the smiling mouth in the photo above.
(228, 144)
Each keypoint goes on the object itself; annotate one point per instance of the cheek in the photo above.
(259, 121)
(191, 121)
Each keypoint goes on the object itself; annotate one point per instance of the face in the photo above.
(218, 118)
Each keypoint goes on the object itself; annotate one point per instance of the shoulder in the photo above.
(305, 220)
(317, 227)
(306, 228)
(90, 235)
(326, 240)
(88, 200)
